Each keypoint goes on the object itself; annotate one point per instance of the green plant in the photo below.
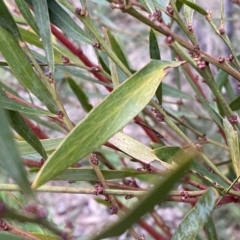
(39, 42)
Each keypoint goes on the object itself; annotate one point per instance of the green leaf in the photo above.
(210, 230)
(10, 104)
(200, 169)
(146, 203)
(63, 21)
(197, 217)
(216, 117)
(9, 157)
(7, 22)
(88, 174)
(80, 94)
(43, 22)
(148, 4)
(26, 13)
(25, 74)
(21, 127)
(174, 92)
(45, 236)
(235, 104)
(9, 236)
(135, 149)
(74, 71)
(167, 154)
(117, 49)
(48, 144)
(188, 12)
(115, 111)
(233, 145)
(155, 54)
(194, 6)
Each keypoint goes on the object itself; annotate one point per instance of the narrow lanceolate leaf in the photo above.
(9, 157)
(80, 94)
(210, 230)
(9, 236)
(170, 91)
(115, 111)
(145, 204)
(117, 49)
(21, 127)
(26, 13)
(194, 6)
(14, 55)
(197, 217)
(233, 145)
(10, 104)
(43, 22)
(188, 12)
(7, 21)
(154, 53)
(135, 149)
(63, 21)
(88, 175)
(48, 144)
(235, 104)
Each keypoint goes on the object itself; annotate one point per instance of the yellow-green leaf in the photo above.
(115, 111)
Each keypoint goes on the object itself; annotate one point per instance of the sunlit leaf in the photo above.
(135, 149)
(197, 217)
(116, 110)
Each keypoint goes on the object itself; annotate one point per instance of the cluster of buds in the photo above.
(156, 16)
(230, 58)
(113, 210)
(159, 116)
(201, 64)
(93, 159)
(36, 210)
(169, 39)
(190, 27)
(195, 53)
(131, 183)
(233, 119)
(98, 189)
(221, 60)
(169, 9)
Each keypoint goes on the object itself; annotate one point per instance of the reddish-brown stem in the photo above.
(151, 230)
(228, 199)
(160, 222)
(40, 134)
(191, 200)
(196, 184)
(79, 53)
